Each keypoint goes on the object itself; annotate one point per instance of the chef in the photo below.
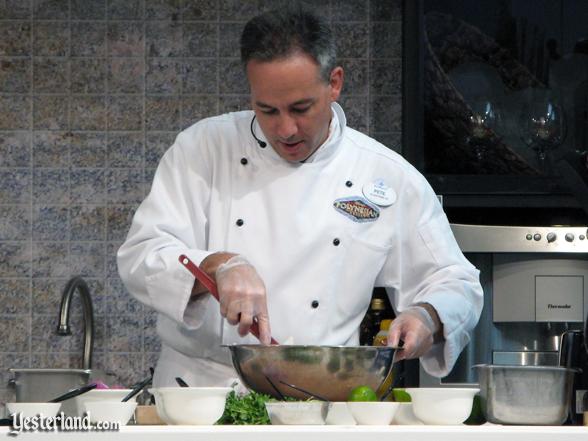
(297, 217)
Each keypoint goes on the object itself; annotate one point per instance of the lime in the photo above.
(362, 393)
(401, 396)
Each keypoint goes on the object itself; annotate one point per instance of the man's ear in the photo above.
(336, 82)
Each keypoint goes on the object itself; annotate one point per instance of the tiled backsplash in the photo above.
(92, 92)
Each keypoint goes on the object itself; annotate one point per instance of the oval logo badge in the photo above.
(357, 209)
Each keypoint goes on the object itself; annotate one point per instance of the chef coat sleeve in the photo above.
(170, 221)
(431, 268)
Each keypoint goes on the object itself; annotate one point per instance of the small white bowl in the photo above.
(112, 411)
(379, 413)
(339, 414)
(99, 395)
(190, 405)
(442, 405)
(297, 412)
(405, 416)
(33, 409)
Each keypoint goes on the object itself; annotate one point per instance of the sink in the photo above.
(41, 385)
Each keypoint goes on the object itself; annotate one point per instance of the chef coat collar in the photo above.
(327, 149)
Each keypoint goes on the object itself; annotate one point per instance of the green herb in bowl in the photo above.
(245, 409)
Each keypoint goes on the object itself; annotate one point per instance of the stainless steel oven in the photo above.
(535, 282)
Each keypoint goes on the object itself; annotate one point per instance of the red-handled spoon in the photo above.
(205, 279)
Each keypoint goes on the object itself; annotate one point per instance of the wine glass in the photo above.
(543, 128)
(483, 120)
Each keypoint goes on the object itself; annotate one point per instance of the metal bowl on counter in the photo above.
(39, 385)
(328, 372)
(526, 395)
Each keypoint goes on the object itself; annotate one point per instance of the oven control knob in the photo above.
(570, 237)
(551, 237)
(537, 237)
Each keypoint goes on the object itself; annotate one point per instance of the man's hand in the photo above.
(209, 265)
(418, 327)
(242, 296)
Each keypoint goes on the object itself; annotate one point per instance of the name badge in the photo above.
(379, 193)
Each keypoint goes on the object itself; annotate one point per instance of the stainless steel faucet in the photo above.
(79, 284)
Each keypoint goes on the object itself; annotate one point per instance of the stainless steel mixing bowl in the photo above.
(327, 371)
(531, 395)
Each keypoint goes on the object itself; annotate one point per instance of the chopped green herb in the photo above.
(245, 409)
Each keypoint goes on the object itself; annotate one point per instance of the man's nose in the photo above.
(287, 127)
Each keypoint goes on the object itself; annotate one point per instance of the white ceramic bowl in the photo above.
(190, 405)
(405, 416)
(99, 395)
(33, 409)
(378, 413)
(297, 412)
(112, 411)
(339, 414)
(442, 405)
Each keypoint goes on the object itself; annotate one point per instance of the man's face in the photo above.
(293, 103)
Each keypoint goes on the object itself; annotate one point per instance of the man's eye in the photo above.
(301, 109)
(268, 111)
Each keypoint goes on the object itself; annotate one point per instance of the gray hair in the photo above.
(280, 33)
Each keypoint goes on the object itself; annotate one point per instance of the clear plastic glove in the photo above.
(416, 328)
(242, 297)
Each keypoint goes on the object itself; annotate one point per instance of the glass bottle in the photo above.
(370, 324)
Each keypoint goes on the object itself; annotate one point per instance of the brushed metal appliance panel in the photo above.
(525, 358)
(559, 299)
(509, 239)
(515, 286)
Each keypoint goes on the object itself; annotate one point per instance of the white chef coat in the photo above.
(319, 265)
